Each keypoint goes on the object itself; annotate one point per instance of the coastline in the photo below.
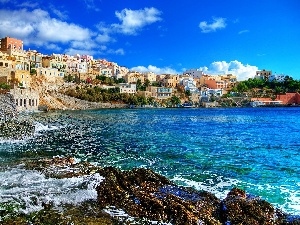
(144, 197)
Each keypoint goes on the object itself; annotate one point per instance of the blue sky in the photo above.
(233, 36)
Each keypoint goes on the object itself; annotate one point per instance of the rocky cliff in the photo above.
(52, 97)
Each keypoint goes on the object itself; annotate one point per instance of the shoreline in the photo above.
(143, 195)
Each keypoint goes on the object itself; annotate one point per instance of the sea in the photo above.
(215, 149)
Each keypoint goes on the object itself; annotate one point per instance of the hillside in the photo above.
(51, 97)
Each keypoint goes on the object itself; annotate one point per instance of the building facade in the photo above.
(25, 99)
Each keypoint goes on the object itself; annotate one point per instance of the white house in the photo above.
(195, 73)
(127, 88)
(189, 84)
(277, 77)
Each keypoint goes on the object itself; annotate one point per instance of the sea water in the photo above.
(256, 149)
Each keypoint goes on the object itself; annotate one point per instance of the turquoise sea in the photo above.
(256, 149)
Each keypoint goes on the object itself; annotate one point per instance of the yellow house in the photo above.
(151, 77)
(133, 77)
(170, 81)
(21, 78)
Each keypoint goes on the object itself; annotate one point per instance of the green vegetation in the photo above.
(259, 87)
(4, 86)
(97, 94)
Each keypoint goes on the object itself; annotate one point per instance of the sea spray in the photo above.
(31, 189)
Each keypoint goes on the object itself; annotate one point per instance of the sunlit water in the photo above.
(256, 149)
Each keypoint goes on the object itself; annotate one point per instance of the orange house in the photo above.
(289, 98)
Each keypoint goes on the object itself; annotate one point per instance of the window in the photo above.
(17, 102)
(29, 102)
(20, 102)
(24, 102)
(1, 63)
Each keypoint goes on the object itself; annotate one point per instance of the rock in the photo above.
(238, 208)
(16, 129)
(145, 194)
(8, 109)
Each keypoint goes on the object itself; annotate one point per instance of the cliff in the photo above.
(52, 97)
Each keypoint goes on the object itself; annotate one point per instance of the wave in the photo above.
(39, 127)
(289, 199)
(31, 189)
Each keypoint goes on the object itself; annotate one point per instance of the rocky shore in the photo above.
(149, 198)
(10, 124)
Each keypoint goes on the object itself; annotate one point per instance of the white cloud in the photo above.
(74, 51)
(90, 4)
(104, 38)
(119, 51)
(154, 69)
(134, 20)
(243, 72)
(58, 31)
(243, 31)
(217, 23)
(38, 28)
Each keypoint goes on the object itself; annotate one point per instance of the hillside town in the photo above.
(37, 81)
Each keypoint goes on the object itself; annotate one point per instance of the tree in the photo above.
(188, 93)
(242, 87)
(175, 100)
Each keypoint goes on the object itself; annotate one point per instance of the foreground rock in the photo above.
(16, 129)
(148, 196)
(10, 126)
(8, 110)
(145, 194)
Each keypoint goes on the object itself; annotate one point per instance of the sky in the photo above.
(215, 36)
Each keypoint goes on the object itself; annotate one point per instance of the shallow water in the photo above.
(256, 149)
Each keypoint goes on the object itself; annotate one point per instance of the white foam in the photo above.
(41, 127)
(219, 188)
(30, 189)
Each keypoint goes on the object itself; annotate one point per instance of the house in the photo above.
(133, 77)
(189, 84)
(277, 77)
(151, 77)
(25, 99)
(170, 81)
(127, 88)
(160, 92)
(263, 74)
(289, 98)
(195, 73)
(52, 75)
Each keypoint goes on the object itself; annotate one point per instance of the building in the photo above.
(195, 73)
(151, 77)
(25, 99)
(277, 77)
(9, 43)
(289, 98)
(170, 81)
(20, 78)
(133, 77)
(263, 74)
(160, 92)
(189, 84)
(52, 75)
(35, 59)
(127, 88)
